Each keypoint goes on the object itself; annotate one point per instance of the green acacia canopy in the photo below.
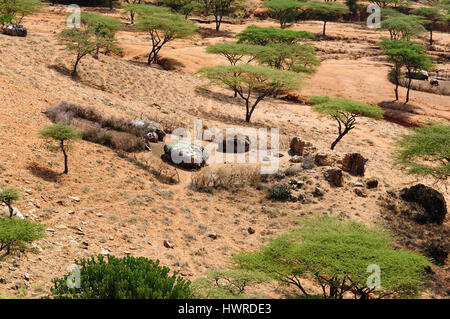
(285, 11)
(252, 83)
(335, 107)
(291, 57)
(60, 132)
(336, 254)
(325, 11)
(263, 36)
(235, 52)
(403, 27)
(426, 151)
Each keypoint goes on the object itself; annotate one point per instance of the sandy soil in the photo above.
(124, 208)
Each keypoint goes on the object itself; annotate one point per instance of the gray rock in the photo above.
(16, 212)
(308, 162)
(149, 130)
(186, 155)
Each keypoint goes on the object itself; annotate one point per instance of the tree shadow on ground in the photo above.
(43, 172)
(206, 33)
(401, 113)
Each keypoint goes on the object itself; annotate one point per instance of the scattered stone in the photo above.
(15, 30)
(251, 231)
(168, 244)
(372, 183)
(334, 176)
(354, 163)
(323, 159)
(296, 146)
(266, 159)
(308, 162)
(104, 252)
(318, 192)
(74, 198)
(50, 230)
(3, 281)
(29, 191)
(186, 155)
(61, 227)
(212, 235)
(26, 276)
(360, 192)
(296, 159)
(99, 214)
(430, 199)
(126, 252)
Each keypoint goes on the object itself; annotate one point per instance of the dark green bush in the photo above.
(122, 278)
(280, 192)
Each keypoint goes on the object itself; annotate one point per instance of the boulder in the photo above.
(296, 159)
(438, 251)
(323, 159)
(372, 183)
(150, 130)
(297, 145)
(236, 144)
(430, 199)
(16, 212)
(334, 176)
(15, 30)
(186, 155)
(360, 192)
(354, 163)
(308, 162)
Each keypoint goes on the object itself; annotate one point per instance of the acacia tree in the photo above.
(61, 133)
(104, 30)
(220, 8)
(405, 54)
(252, 83)
(325, 11)
(235, 52)
(7, 196)
(163, 27)
(264, 36)
(291, 57)
(17, 234)
(95, 32)
(13, 11)
(336, 255)
(131, 8)
(403, 27)
(433, 17)
(426, 152)
(346, 112)
(285, 11)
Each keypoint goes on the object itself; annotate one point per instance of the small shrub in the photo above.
(280, 192)
(122, 278)
(16, 234)
(226, 178)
